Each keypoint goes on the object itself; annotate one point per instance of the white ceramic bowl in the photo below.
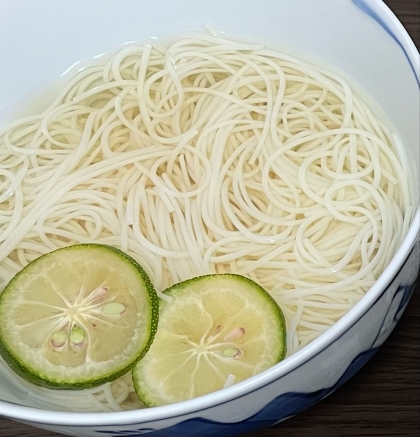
(360, 38)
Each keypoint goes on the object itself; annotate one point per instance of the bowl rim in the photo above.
(49, 417)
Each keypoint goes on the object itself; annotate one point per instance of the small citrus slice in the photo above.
(217, 330)
(77, 317)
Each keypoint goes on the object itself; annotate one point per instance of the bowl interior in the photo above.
(41, 40)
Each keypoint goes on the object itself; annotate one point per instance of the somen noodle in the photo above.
(208, 155)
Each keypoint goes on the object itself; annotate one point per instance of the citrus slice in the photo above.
(77, 317)
(216, 330)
